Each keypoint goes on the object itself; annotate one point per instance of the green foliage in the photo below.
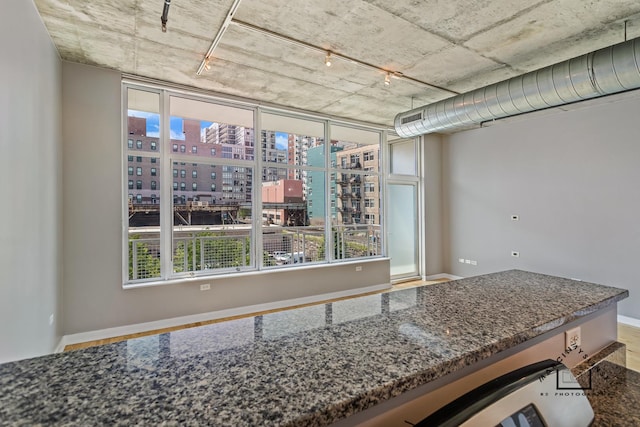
(209, 250)
(148, 264)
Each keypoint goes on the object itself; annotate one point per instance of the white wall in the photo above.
(30, 165)
(93, 294)
(574, 179)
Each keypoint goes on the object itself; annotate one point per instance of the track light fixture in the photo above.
(387, 79)
(327, 59)
(207, 65)
(165, 15)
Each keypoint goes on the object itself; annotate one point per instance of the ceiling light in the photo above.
(327, 59)
(165, 15)
(387, 79)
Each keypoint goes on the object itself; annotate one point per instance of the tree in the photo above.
(147, 264)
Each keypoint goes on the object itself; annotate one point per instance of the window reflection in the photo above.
(289, 322)
(357, 308)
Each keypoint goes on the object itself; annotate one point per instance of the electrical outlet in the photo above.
(205, 287)
(572, 338)
(473, 262)
(359, 268)
(515, 254)
(467, 261)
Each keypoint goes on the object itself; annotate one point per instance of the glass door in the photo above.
(403, 230)
(403, 209)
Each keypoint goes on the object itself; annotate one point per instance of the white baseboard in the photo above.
(213, 315)
(629, 321)
(443, 276)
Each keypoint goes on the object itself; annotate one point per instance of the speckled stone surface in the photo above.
(612, 389)
(615, 396)
(304, 367)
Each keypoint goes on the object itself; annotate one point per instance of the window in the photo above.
(130, 143)
(278, 176)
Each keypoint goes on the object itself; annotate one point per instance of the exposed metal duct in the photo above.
(602, 72)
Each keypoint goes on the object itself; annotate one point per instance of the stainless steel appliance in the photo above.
(544, 394)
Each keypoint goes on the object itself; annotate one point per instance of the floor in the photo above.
(628, 335)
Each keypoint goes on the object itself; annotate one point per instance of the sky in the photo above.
(282, 140)
(175, 124)
(153, 128)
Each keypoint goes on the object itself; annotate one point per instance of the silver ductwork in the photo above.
(602, 72)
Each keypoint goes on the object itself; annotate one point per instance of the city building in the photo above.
(358, 192)
(283, 202)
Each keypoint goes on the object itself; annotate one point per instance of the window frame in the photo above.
(167, 154)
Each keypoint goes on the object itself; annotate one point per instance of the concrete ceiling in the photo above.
(443, 46)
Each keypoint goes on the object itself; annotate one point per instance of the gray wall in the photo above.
(433, 207)
(574, 179)
(30, 165)
(93, 294)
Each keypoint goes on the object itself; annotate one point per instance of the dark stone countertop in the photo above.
(309, 366)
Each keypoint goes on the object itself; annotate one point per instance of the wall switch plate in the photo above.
(461, 260)
(467, 261)
(51, 319)
(359, 268)
(515, 217)
(515, 254)
(474, 262)
(205, 287)
(573, 338)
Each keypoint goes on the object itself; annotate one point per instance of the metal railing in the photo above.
(357, 241)
(201, 251)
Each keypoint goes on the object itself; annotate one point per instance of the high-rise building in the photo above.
(358, 192)
(315, 185)
(192, 181)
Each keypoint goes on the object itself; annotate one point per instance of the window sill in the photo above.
(250, 273)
